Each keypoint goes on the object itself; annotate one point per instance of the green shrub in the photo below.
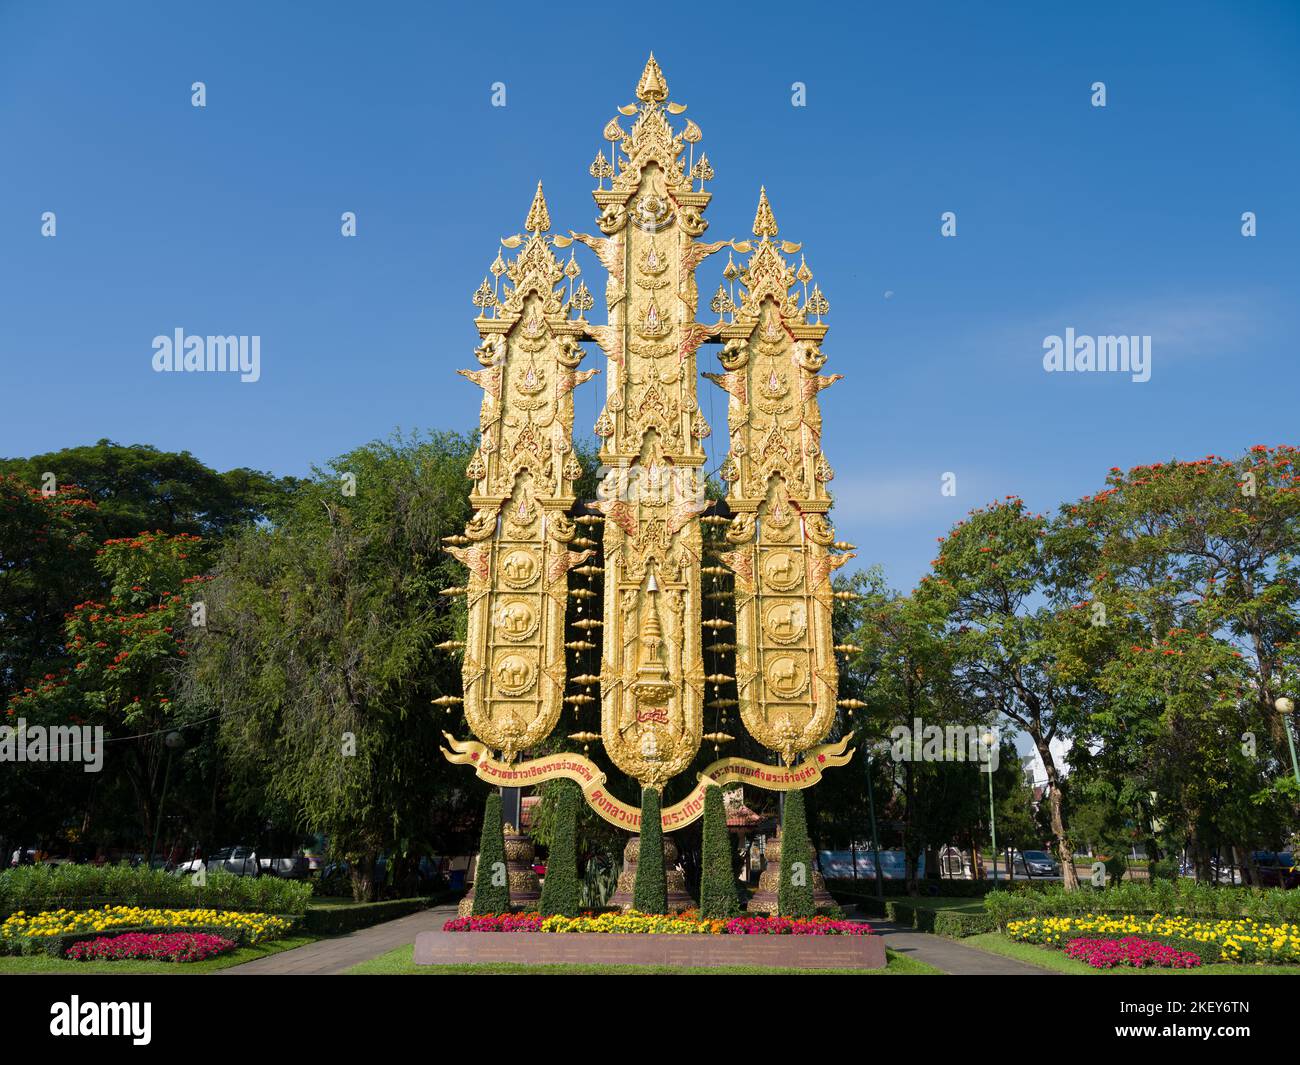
(336, 920)
(34, 888)
(650, 891)
(794, 897)
(490, 897)
(957, 925)
(560, 889)
(1181, 897)
(717, 879)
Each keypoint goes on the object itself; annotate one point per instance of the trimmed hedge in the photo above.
(717, 879)
(34, 888)
(795, 899)
(1182, 898)
(650, 890)
(490, 897)
(957, 925)
(560, 888)
(336, 920)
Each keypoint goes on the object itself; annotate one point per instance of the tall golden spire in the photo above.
(652, 88)
(539, 218)
(764, 220)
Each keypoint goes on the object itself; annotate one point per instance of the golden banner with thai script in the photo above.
(591, 779)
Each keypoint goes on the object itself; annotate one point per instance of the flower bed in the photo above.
(688, 923)
(151, 946)
(22, 932)
(1129, 951)
(1229, 939)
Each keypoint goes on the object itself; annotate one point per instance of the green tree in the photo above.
(491, 881)
(717, 878)
(560, 889)
(321, 653)
(795, 893)
(650, 890)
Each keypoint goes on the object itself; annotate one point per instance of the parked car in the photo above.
(1036, 863)
(242, 861)
(295, 868)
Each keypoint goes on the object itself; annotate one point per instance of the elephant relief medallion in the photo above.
(514, 674)
(519, 568)
(516, 620)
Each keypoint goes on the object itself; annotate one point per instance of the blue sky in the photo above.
(1115, 220)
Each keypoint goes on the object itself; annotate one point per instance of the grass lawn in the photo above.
(42, 963)
(400, 962)
(1047, 958)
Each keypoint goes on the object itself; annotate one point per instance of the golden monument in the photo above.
(518, 546)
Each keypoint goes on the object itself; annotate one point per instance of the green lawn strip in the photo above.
(42, 963)
(1048, 958)
(400, 962)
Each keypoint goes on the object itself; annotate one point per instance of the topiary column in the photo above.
(794, 897)
(717, 877)
(650, 892)
(491, 881)
(560, 889)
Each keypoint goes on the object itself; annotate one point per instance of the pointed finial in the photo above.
(764, 220)
(539, 218)
(652, 88)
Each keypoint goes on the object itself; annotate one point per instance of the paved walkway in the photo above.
(328, 957)
(949, 955)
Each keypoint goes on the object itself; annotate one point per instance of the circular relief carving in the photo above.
(519, 568)
(787, 676)
(516, 620)
(783, 570)
(785, 622)
(514, 674)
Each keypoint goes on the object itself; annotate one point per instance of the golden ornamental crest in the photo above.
(653, 687)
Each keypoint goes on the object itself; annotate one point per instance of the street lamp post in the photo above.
(174, 741)
(1286, 707)
(988, 739)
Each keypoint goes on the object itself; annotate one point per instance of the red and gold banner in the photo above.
(584, 772)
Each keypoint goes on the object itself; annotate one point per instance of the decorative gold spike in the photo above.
(717, 623)
(719, 678)
(584, 737)
(579, 700)
(457, 590)
(457, 540)
(848, 648)
(580, 645)
(844, 545)
(447, 700)
(582, 593)
(722, 704)
(720, 595)
(721, 648)
(590, 571)
(588, 623)
(586, 678)
(715, 571)
(715, 519)
(589, 519)
(451, 645)
(850, 704)
(582, 541)
(718, 737)
(764, 220)
(539, 218)
(652, 88)
(847, 596)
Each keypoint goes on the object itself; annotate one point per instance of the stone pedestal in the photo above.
(678, 899)
(525, 890)
(765, 901)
